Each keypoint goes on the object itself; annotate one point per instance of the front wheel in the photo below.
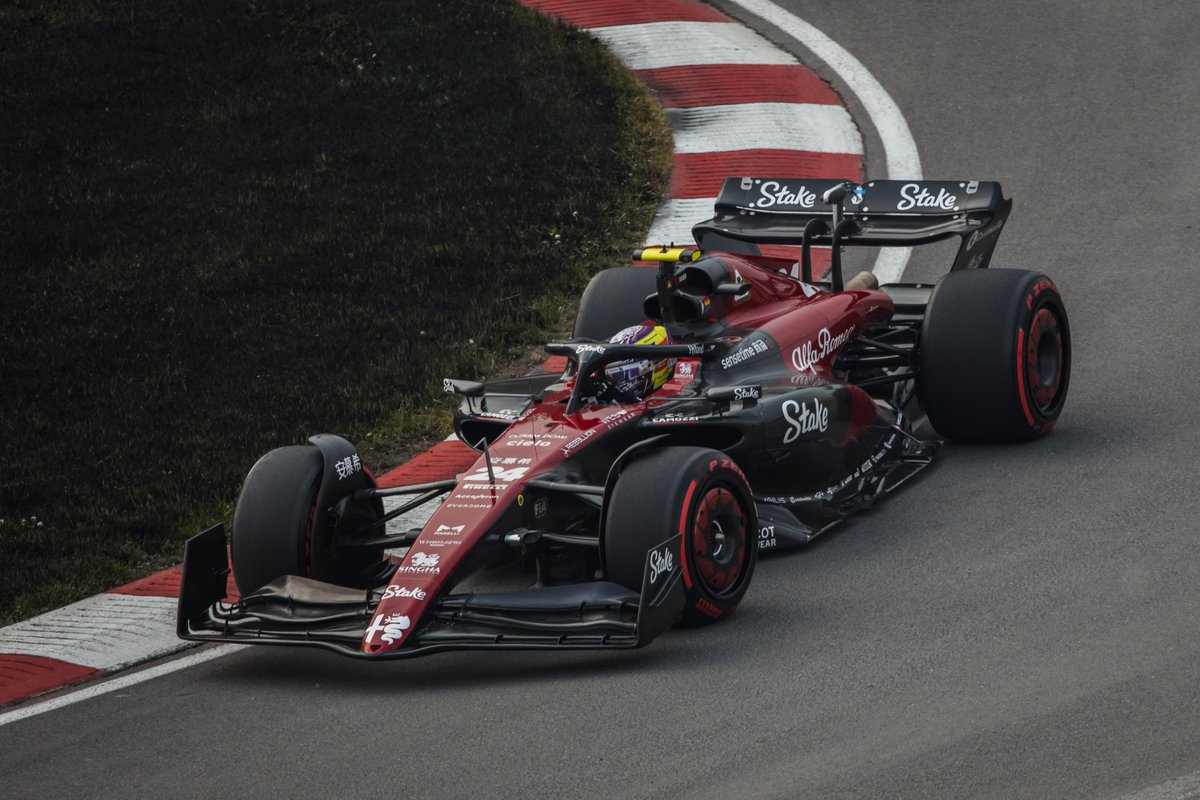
(696, 492)
(995, 356)
(274, 530)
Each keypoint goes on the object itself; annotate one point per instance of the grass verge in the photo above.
(229, 225)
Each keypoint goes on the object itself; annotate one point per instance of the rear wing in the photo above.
(809, 211)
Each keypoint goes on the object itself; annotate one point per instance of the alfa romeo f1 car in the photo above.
(715, 402)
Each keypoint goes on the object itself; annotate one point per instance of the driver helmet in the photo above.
(640, 379)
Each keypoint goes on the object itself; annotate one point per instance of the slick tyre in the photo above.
(701, 494)
(274, 532)
(994, 359)
(612, 301)
(272, 522)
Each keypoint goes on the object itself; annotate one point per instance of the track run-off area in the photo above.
(1020, 622)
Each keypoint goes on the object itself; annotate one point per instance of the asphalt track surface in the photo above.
(1020, 622)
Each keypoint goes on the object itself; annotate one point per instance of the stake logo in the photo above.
(801, 419)
(771, 193)
(912, 195)
(661, 560)
(403, 591)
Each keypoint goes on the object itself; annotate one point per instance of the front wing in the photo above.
(299, 611)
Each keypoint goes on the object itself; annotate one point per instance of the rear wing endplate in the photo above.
(810, 211)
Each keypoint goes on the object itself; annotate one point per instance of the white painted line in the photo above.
(104, 632)
(1186, 787)
(764, 126)
(122, 682)
(655, 45)
(900, 150)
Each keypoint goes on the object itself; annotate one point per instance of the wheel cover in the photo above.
(718, 540)
(1044, 359)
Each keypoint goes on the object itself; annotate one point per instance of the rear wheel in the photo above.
(995, 356)
(613, 301)
(273, 525)
(702, 494)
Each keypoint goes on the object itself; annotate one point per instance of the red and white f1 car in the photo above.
(713, 405)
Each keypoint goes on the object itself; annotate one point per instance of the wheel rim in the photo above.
(1044, 360)
(719, 540)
